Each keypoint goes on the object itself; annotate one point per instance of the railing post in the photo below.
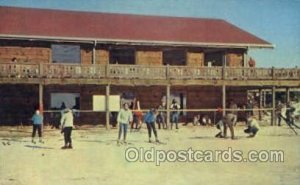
(287, 95)
(41, 71)
(273, 119)
(168, 72)
(224, 99)
(107, 71)
(273, 73)
(260, 104)
(223, 73)
(107, 106)
(41, 94)
(168, 104)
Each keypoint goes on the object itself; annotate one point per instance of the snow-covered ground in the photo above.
(96, 158)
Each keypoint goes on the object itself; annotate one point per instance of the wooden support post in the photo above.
(245, 59)
(265, 95)
(168, 71)
(260, 103)
(273, 106)
(224, 63)
(287, 92)
(41, 94)
(94, 53)
(224, 99)
(168, 104)
(107, 106)
(41, 70)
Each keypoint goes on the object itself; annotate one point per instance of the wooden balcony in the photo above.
(10, 72)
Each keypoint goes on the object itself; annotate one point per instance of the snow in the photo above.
(96, 158)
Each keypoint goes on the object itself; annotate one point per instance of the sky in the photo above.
(276, 21)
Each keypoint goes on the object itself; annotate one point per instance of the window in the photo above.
(65, 100)
(63, 53)
(99, 103)
(122, 56)
(213, 59)
(174, 57)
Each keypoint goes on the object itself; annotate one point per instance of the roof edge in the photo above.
(133, 42)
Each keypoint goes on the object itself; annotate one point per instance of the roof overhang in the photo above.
(133, 42)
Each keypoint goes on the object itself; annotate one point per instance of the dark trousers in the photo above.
(228, 122)
(38, 128)
(252, 130)
(161, 121)
(174, 119)
(279, 119)
(230, 128)
(135, 122)
(290, 121)
(151, 127)
(123, 127)
(67, 135)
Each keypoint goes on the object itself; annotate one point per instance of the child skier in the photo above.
(150, 119)
(37, 120)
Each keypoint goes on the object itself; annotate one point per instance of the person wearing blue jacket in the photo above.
(150, 119)
(37, 120)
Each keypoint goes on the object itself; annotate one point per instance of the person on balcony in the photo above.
(124, 118)
(251, 62)
(14, 69)
(14, 60)
(175, 113)
(37, 120)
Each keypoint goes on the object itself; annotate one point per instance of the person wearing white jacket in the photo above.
(66, 123)
(124, 118)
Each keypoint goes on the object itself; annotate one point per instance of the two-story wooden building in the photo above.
(80, 58)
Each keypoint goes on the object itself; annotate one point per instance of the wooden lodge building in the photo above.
(77, 58)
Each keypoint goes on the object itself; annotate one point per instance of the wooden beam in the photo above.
(153, 82)
(260, 103)
(273, 106)
(168, 104)
(107, 106)
(94, 53)
(245, 59)
(41, 94)
(224, 99)
(264, 101)
(287, 92)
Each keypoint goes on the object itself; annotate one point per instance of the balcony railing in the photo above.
(28, 70)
